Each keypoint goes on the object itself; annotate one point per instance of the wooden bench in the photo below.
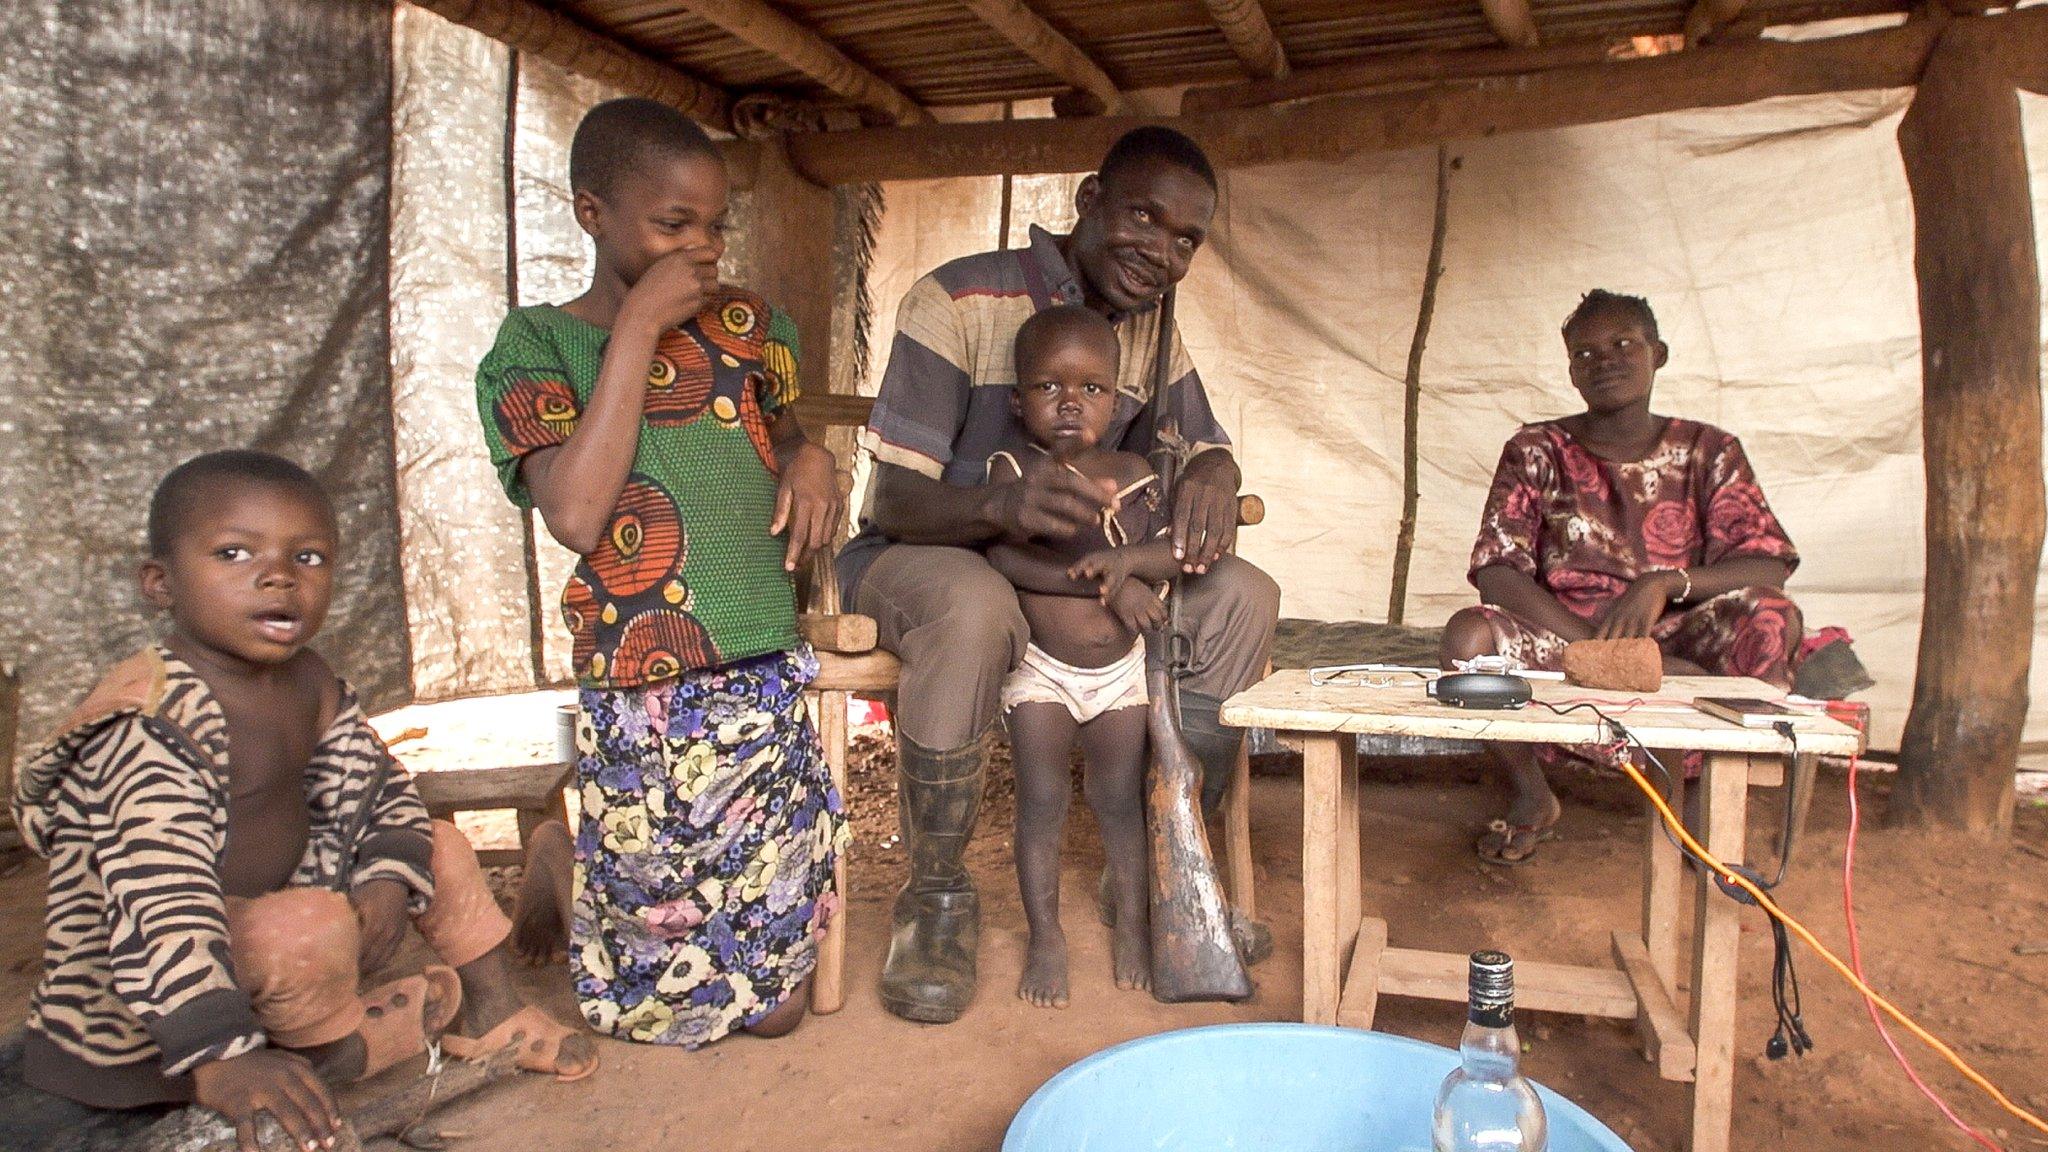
(532, 791)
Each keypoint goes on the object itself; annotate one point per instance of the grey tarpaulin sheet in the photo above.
(193, 203)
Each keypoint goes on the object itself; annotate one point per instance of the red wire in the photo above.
(1856, 962)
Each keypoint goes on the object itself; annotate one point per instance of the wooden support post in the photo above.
(1321, 961)
(1512, 21)
(1717, 930)
(1661, 1025)
(1251, 36)
(1350, 870)
(1980, 335)
(1662, 873)
(828, 987)
(790, 231)
(1799, 780)
(1361, 999)
(1054, 52)
(529, 27)
(809, 53)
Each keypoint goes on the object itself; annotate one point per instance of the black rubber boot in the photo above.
(1213, 744)
(1216, 747)
(929, 975)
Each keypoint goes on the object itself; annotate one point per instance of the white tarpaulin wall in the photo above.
(1774, 240)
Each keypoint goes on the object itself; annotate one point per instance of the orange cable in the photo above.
(1764, 901)
(1856, 962)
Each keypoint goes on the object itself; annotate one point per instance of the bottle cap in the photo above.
(1493, 978)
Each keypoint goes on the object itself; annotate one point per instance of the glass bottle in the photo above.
(1485, 1105)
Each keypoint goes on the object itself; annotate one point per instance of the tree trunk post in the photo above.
(1980, 319)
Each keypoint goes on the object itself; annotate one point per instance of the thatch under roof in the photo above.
(947, 52)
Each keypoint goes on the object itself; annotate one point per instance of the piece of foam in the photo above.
(1630, 665)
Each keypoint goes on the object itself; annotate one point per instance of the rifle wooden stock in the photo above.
(1193, 954)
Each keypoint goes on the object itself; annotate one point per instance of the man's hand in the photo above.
(1108, 567)
(380, 907)
(807, 502)
(1137, 607)
(1051, 503)
(1638, 609)
(268, 1080)
(672, 290)
(1205, 510)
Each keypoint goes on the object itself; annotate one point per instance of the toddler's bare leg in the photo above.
(464, 927)
(1041, 735)
(1114, 743)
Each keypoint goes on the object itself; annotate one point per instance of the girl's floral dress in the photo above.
(704, 853)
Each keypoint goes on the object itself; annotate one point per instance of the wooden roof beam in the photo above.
(1054, 52)
(1512, 21)
(527, 27)
(1251, 36)
(1408, 70)
(809, 53)
(1718, 75)
(1710, 16)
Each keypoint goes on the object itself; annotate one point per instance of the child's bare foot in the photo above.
(1130, 944)
(540, 914)
(490, 1003)
(1044, 982)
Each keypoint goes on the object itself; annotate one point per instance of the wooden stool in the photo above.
(841, 676)
(532, 791)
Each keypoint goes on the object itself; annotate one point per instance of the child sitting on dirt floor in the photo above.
(648, 419)
(231, 847)
(1083, 672)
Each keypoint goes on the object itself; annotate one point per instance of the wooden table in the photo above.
(1642, 985)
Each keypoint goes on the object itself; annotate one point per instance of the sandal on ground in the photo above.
(537, 1035)
(1510, 844)
(399, 1021)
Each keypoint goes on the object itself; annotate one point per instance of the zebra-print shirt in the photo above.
(130, 806)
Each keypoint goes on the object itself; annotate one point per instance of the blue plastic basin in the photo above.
(1264, 1087)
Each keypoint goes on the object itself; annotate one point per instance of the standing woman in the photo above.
(1617, 522)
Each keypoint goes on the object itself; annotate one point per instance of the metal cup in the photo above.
(565, 734)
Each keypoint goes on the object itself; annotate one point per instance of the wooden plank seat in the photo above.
(532, 791)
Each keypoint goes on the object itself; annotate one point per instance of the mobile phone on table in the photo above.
(1749, 711)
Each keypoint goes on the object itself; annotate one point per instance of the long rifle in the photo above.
(1194, 956)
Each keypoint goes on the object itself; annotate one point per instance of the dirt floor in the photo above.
(1957, 935)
